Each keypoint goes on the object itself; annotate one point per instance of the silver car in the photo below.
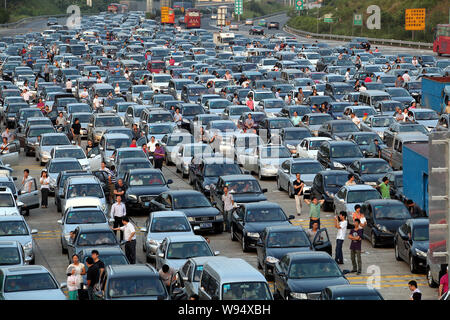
(85, 189)
(265, 160)
(15, 228)
(172, 142)
(79, 215)
(377, 123)
(12, 254)
(47, 142)
(162, 224)
(244, 141)
(287, 174)
(55, 166)
(30, 283)
(187, 152)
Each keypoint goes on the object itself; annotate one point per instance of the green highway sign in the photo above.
(299, 5)
(328, 20)
(357, 20)
(238, 6)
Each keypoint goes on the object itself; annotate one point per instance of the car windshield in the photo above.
(97, 238)
(84, 118)
(79, 108)
(56, 167)
(275, 152)
(315, 144)
(124, 167)
(84, 190)
(160, 129)
(160, 117)
(399, 181)
(287, 239)
(112, 144)
(426, 115)
(280, 123)
(274, 104)
(13, 228)
(375, 167)
(421, 233)
(391, 211)
(85, 217)
(296, 134)
(414, 85)
(238, 111)
(219, 104)
(136, 286)
(263, 95)
(335, 180)
(221, 169)
(196, 150)
(192, 110)
(364, 140)
(29, 282)
(398, 92)
(191, 201)
(186, 250)
(360, 196)
(306, 168)
(382, 122)
(360, 112)
(161, 78)
(108, 122)
(246, 291)
(265, 215)
(360, 297)
(147, 179)
(55, 141)
(313, 269)
(224, 126)
(197, 91)
(345, 127)
(170, 224)
(413, 128)
(139, 89)
(38, 131)
(346, 151)
(9, 256)
(70, 153)
(175, 140)
(319, 120)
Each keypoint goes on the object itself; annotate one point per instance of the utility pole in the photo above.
(318, 19)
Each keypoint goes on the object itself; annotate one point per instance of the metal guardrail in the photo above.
(389, 42)
(29, 19)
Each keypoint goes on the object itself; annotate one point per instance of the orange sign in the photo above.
(415, 19)
(164, 14)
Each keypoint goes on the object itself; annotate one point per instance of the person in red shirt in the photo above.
(250, 103)
(368, 79)
(443, 284)
(133, 143)
(172, 61)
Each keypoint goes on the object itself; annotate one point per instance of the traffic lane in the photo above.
(33, 26)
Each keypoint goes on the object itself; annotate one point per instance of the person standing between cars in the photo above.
(406, 77)
(250, 103)
(355, 236)
(312, 231)
(443, 284)
(399, 81)
(314, 210)
(46, 73)
(45, 188)
(118, 211)
(111, 180)
(158, 156)
(167, 275)
(347, 75)
(73, 284)
(416, 294)
(84, 94)
(69, 85)
(7, 134)
(130, 238)
(76, 131)
(177, 118)
(235, 99)
(96, 103)
(385, 188)
(92, 277)
(60, 120)
(298, 193)
(26, 95)
(27, 182)
(300, 96)
(228, 205)
(119, 190)
(351, 180)
(414, 209)
(152, 145)
(79, 268)
(4, 146)
(249, 123)
(359, 215)
(296, 119)
(133, 143)
(340, 224)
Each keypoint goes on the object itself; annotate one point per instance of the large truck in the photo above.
(223, 38)
(435, 93)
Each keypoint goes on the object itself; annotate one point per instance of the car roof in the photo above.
(24, 270)
(261, 204)
(307, 255)
(93, 227)
(419, 221)
(284, 227)
(12, 218)
(103, 250)
(132, 270)
(186, 238)
(83, 179)
(9, 244)
(116, 135)
(353, 289)
(168, 214)
(238, 177)
(234, 270)
(359, 187)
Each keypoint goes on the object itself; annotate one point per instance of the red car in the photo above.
(155, 66)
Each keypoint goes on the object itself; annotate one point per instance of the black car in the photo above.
(303, 275)
(411, 243)
(143, 186)
(384, 217)
(272, 126)
(276, 241)
(244, 188)
(326, 184)
(369, 170)
(204, 173)
(194, 204)
(256, 30)
(350, 292)
(337, 129)
(338, 154)
(364, 140)
(62, 177)
(249, 220)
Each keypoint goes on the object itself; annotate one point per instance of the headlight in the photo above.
(104, 207)
(154, 242)
(132, 196)
(420, 253)
(28, 246)
(207, 187)
(253, 234)
(338, 165)
(372, 184)
(330, 194)
(297, 295)
(45, 154)
(270, 259)
(290, 146)
(382, 228)
(191, 219)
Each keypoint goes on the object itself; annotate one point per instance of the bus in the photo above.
(441, 43)
(192, 18)
(114, 7)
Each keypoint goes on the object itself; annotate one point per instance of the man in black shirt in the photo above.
(414, 209)
(416, 294)
(92, 276)
(76, 131)
(119, 190)
(298, 193)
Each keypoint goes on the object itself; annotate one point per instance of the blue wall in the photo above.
(415, 177)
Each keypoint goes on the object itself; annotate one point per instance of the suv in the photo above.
(82, 187)
(338, 154)
(12, 254)
(99, 122)
(59, 189)
(15, 228)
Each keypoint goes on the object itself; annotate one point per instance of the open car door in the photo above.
(12, 155)
(29, 195)
(321, 241)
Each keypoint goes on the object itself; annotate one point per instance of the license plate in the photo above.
(205, 225)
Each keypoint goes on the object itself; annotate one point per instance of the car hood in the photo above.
(372, 177)
(176, 263)
(391, 225)
(309, 285)
(248, 197)
(428, 123)
(147, 190)
(345, 161)
(260, 226)
(54, 294)
(421, 245)
(160, 236)
(306, 178)
(22, 239)
(280, 252)
(200, 212)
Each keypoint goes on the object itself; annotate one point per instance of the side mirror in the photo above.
(92, 156)
(285, 170)
(111, 220)
(196, 228)
(20, 204)
(264, 190)
(14, 178)
(291, 217)
(59, 221)
(73, 142)
(170, 181)
(161, 255)
(345, 271)
(216, 253)
(34, 231)
(185, 278)
(122, 243)
(63, 285)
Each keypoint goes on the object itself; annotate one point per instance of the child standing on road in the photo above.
(73, 284)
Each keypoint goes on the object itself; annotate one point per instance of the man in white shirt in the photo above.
(118, 211)
(414, 61)
(177, 117)
(347, 75)
(130, 238)
(341, 225)
(406, 76)
(84, 94)
(69, 86)
(152, 145)
(96, 102)
(26, 95)
(355, 119)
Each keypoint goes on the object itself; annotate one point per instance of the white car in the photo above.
(160, 82)
(308, 147)
(187, 152)
(71, 151)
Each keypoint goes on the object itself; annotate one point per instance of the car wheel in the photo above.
(290, 192)
(373, 240)
(244, 244)
(412, 265)
(278, 184)
(63, 251)
(397, 254)
(430, 280)
(233, 237)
